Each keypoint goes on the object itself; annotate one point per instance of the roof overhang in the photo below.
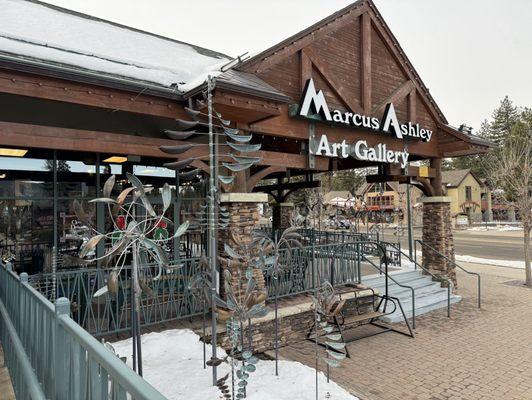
(464, 144)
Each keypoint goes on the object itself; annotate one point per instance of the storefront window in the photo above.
(36, 204)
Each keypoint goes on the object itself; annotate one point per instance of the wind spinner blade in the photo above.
(183, 125)
(190, 174)
(178, 135)
(245, 159)
(178, 149)
(237, 167)
(238, 138)
(226, 180)
(223, 121)
(194, 114)
(244, 148)
(177, 165)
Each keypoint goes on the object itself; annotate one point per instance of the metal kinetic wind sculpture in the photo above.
(133, 238)
(236, 145)
(326, 302)
(276, 258)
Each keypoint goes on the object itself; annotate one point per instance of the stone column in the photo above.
(282, 215)
(438, 234)
(244, 216)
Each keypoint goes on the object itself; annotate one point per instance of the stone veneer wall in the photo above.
(282, 215)
(437, 233)
(294, 324)
(243, 218)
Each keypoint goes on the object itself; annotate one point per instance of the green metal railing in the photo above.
(437, 253)
(49, 356)
(170, 298)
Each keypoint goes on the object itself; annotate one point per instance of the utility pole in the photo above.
(212, 225)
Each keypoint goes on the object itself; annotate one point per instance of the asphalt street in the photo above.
(483, 244)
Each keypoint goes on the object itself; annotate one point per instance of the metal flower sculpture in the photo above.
(134, 237)
(242, 304)
(235, 160)
(276, 258)
(326, 304)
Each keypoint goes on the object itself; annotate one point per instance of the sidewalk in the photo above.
(477, 354)
(6, 390)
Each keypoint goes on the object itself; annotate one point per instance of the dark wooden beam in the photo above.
(365, 49)
(51, 137)
(325, 69)
(398, 94)
(290, 48)
(42, 87)
(403, 62)
(412, 105)
(287, 186)
(258, 176)
(306, 69)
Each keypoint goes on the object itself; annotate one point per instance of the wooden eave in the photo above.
(462, 144)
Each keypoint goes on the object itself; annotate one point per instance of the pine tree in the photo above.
(504, 118)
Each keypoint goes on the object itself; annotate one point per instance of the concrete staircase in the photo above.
(429, 295)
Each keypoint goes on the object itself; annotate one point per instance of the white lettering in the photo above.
(390, 121)
(323, 147)
(338, 116)
(316, 99)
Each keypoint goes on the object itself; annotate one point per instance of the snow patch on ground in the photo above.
(407, 264)
(496, 228)
(173, 364)
(497, 263)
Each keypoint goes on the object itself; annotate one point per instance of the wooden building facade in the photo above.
(80, 108)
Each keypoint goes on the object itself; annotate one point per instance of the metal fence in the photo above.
(170, 296)
(338, 263)
(49, 356)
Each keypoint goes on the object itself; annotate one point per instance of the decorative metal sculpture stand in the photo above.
(133, 236)
(215, 127)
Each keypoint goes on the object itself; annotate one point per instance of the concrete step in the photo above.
(421, 309)
(399, 276)
(429, 294)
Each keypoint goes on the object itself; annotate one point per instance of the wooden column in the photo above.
(366, 62)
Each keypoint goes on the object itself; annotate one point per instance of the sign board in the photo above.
(314, 106)
(462, 220)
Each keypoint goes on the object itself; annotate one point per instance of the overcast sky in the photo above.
(469, 53)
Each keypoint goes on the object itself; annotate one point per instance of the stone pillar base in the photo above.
(244, 216)
(438, 234)
(282, 215)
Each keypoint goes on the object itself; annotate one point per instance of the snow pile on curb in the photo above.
(497, 263)
(497, 228)
(173, 364)
(407, 264)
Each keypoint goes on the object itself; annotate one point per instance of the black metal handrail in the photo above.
(456, 265)
(412, 290)
(437, 278)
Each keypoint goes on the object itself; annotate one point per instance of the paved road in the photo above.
(483, 244)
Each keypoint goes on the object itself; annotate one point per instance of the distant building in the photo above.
(471, 198)
(386, 202)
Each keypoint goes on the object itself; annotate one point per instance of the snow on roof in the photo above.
(38, 31)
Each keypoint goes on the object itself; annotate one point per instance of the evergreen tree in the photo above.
(504, 118)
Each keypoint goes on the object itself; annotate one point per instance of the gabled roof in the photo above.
(454, 178)
(32, 31)
(330, 20)
(395, 186)
(344, 194)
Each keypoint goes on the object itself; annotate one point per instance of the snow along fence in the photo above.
(50, 356)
